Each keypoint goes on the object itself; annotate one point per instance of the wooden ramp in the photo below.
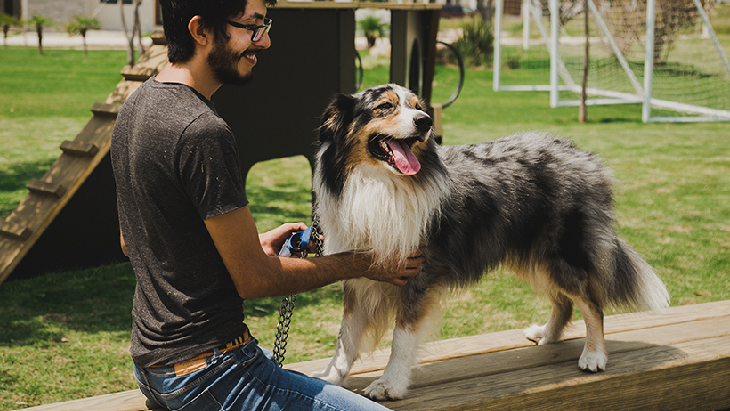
(675, 360)
(80, 176)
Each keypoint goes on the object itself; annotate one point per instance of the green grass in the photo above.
(66, 335)
(44, 101)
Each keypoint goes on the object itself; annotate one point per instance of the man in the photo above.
(191, 238)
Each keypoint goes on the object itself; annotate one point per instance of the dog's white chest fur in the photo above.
(379, 212)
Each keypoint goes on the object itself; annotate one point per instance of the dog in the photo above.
(529, 202)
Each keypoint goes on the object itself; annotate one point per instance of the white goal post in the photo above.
(647, 74)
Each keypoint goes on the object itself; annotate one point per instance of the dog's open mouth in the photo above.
(396, 153)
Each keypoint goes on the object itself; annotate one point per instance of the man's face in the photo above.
(232, 61)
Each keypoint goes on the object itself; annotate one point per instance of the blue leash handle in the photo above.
(297, 243)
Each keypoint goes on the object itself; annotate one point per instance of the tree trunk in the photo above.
(137, 28)
(39, 31)
(486, 10)
(583, 114)
(82, 31)
(130, 39)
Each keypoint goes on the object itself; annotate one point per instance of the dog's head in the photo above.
(383, 126)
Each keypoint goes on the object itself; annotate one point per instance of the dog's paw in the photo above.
(592, 361)
(332, 377)
(384, 389)
(536, 334)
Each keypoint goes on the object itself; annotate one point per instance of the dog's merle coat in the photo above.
(533, 203)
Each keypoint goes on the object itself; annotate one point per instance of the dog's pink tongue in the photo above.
(406, 162)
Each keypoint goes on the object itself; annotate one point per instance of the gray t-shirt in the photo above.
(176, 164)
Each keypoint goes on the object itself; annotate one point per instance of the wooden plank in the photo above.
(481, 365)
(151, 63)
(132, 400)
(124, 89)
(683, 376)
(19, 231)
(55, 189)
(103, 109)
(679, 361)
(511, 339)
(79, 148)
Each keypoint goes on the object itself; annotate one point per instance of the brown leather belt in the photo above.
(200, 361)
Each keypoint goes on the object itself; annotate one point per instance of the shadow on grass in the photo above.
(15, 176)
(288, 206)
(263, 307)
(41, 310)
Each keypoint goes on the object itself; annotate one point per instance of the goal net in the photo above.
(683, 75)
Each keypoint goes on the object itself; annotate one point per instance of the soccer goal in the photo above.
(662, 54)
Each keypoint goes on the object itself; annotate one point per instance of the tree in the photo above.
(583, 112)
(40, 22)
(7, 21)
(671, 18)
(486, 9)
(136, 30)
(79, 25)
(373, 28)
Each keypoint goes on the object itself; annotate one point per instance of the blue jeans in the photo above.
(245, 379)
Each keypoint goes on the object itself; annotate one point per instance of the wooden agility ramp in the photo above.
(69, 217)
(678, 359)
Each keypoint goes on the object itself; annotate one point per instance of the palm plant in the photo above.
(40, 22)
(7, 21)
(372, 28)
(80, 25)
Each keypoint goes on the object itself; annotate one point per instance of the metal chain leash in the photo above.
(289, 302)
(282, 329)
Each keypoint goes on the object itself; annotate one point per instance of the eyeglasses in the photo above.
(258, 31)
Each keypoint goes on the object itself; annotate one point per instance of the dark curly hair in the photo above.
(176, 14)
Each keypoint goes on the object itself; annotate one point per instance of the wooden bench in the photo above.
(677, 359)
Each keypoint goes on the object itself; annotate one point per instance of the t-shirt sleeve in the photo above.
(209, 168)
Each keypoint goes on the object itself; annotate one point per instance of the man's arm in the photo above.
(122, 243)
(256, 274)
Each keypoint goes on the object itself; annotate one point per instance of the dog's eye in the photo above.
(386, 105)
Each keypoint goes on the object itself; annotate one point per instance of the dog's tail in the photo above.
(635, 283)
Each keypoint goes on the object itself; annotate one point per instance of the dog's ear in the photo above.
(336, 117)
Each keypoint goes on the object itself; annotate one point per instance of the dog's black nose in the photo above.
(423, 122)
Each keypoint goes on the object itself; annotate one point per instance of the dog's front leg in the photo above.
(396, 377)
(347, 352)
(417, 314)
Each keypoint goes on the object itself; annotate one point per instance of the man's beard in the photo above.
(224, 63)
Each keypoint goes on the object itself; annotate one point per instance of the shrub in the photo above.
(372, 28)
(476, 45)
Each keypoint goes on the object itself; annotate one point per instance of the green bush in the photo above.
(476, 45)
(372, 28)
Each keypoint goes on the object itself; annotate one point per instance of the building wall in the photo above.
(108, 14)
(110, 18)
(60, 11)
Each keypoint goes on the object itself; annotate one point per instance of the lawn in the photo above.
(65, 335)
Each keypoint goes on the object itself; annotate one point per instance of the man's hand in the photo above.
(272, 241)
(398, 274)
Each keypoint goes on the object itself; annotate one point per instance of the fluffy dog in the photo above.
(533, 203)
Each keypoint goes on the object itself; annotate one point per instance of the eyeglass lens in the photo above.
(260, 30)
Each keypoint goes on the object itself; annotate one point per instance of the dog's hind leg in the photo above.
(573, 283)
(594, 356)
(416, 315)
(560, 316)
